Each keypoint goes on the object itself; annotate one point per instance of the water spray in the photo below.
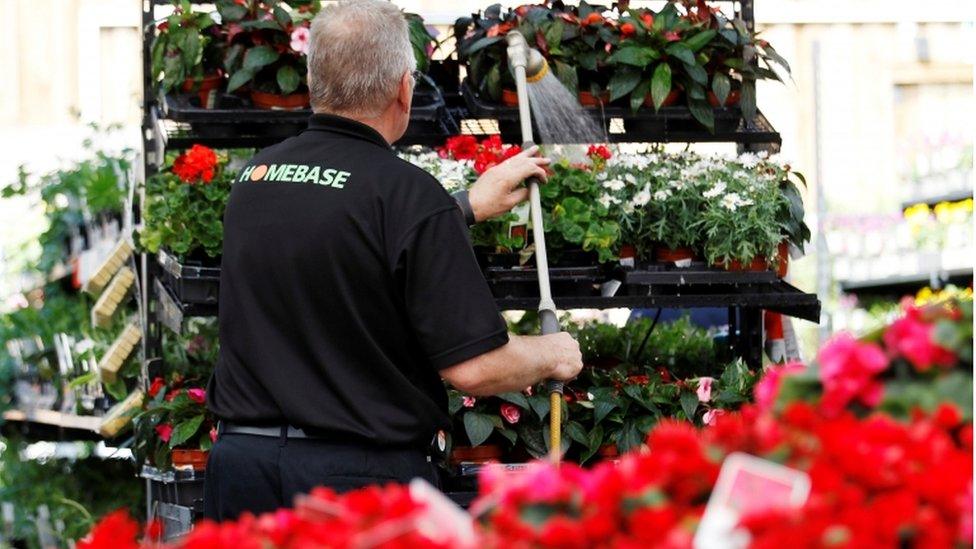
(528, 65)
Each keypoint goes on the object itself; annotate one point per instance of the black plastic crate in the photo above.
(672, 123)
(508, 282)
(192, 282)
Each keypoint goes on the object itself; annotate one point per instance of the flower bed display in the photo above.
(877, 479)
(688, 52)
(723, 209)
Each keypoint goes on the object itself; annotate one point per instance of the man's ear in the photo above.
(405, 94)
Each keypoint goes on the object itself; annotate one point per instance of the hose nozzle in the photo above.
(521, 55)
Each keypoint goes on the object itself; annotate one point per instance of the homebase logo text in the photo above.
(296, 173)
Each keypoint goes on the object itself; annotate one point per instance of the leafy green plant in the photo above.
(76, 490)
(172, 418)
(188, 45)
(660, 55)
(185, 215)
(269, 51)
(574, 215)
(421, 40)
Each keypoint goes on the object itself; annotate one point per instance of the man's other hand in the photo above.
(567, 360)
(499, 189)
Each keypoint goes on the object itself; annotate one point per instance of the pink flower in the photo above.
(197, 395)
(767, 390)
(709, 417)
(213, 434)
(847, 370)
(705, 389)
(165, 431)
(468, 402)
(672, 36)
(511, 413)
(911, 337)
(300, 39)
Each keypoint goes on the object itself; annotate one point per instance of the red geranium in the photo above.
(486, 154)
(116, 530)
(196, 165)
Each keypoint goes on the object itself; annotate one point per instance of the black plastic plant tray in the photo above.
(191, 282)
(524, 282)
(669, 124)
(676, 276)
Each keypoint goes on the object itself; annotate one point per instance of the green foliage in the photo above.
(188, 45)
(185, 218)
(76, 490)
(260, 55)
(420, 40)
(171, 407)
(93, 188)
(573, 215)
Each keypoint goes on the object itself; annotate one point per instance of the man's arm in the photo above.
(520, 363)
(500, 189)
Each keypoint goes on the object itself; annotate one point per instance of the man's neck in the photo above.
(382, 124)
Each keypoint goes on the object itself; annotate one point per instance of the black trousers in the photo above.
(257, 474)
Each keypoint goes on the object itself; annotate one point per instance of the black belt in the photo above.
(436, 449)
(283, 431)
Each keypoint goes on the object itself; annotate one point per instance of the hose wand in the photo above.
(528, 65)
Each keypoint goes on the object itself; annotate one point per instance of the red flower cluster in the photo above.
(377, 517)
(847, 371)
(599, 151)
(486, 154)
(648, 499)
(196, 165)
(852, 372)
(912, 337)
(875, 483)
(119, 531)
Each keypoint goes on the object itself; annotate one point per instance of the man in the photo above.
(349, 289)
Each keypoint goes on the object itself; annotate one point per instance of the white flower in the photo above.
(732, 201)
(630, 178)
(614, 184)
(605, 200)
(602, 176)
(718, 189)
(749, 160)
(662, 195)
(642, 198)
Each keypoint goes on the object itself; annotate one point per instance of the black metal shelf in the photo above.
(901, 285)
(933, 199)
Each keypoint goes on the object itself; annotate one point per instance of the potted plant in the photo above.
(187, 53)
(791, 214)
(558, 35)
(174, 428)
(740, 220)
(735, 59)
(659, 60)
(185, 205)
(267, 51)
(484, 427)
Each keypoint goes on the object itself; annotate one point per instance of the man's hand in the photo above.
(498, 190)
(567, 360)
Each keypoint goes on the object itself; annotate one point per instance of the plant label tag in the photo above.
(441, 519)
(522, 212)
(747, 484)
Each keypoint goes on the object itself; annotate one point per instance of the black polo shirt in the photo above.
(347, 282)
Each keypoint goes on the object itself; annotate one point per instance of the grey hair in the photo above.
(358, 52)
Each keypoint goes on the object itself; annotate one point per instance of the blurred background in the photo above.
(879, 116)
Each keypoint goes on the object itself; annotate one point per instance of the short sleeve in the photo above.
(447, 300)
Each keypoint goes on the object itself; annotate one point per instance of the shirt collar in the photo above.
(345, 126)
